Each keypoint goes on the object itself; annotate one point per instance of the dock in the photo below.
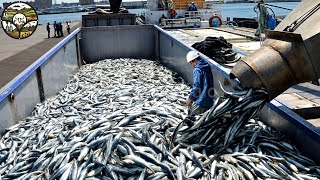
(17, 55)
(303, 99)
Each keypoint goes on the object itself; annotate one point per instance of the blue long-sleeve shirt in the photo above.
(192, 7)
(202, 90)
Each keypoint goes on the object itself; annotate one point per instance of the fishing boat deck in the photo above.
(241, 42)
(303, 99)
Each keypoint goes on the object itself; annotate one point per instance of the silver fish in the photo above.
(124, 119)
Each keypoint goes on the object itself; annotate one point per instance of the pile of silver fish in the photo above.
(240, 147)
(123, 119)
(217, 127)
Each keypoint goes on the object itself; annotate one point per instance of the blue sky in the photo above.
(58, 1)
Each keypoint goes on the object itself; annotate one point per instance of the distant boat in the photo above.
(63, 9)
(39, 12)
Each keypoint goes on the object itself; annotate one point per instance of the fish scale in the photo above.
(115, 119)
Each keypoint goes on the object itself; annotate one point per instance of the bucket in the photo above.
(272, 23)
(215, 23)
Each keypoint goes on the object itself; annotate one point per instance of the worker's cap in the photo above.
(192, 55)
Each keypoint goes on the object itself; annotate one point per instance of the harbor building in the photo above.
(86, 2)
(43, 4)
(6, 4)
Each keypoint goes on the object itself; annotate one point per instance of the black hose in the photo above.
(279, 7)
(302, 19)
(274, 15)
(232, 23)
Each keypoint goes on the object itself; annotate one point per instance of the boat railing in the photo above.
(204, 14)
(173, 22)
(181, 22)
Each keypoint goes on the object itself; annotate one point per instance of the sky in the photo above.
(58, 1)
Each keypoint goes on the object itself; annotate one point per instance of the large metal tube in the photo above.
(286, 58)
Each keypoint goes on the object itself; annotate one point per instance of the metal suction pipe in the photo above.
(280, 63)
(288, 56)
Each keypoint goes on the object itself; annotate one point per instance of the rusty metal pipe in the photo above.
(286, 58)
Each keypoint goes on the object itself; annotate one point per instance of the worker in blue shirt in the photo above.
(202, 93)
(192, 7)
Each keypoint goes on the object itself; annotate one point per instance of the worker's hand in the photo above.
(189, 102)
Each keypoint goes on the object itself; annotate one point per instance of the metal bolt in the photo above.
(11, 99)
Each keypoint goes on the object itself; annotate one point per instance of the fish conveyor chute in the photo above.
(289, 55)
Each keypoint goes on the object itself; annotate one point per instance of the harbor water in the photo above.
(243, 10)
(246, 10)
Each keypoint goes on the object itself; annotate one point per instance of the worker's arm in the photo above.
(256, 8)
(196, 88)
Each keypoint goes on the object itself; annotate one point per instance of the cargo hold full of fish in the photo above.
(125, 119)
